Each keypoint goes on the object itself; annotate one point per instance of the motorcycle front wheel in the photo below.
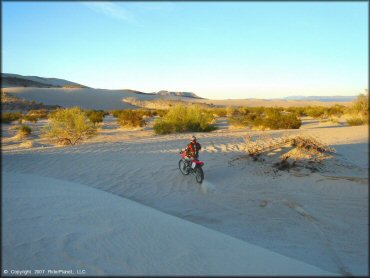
(183, 168)
(199, 175)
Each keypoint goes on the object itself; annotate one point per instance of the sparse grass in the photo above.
(184, 118)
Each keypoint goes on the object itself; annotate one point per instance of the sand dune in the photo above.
(317, 218)
(51, 224)
(112, 99)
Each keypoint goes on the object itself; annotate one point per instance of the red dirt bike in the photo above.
(191, 166)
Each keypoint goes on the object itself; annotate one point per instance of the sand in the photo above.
(319, 219)
(51, 224)
(112, 99)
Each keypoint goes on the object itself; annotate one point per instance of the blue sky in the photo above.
(215, 49)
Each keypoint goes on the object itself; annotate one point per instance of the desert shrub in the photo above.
(238, 121)
(39, 114)
(361, 105)
(96, 116)
(274, 119)
(160, 112)
(356, 120)
(69, 126)
(183, 118)
(336, 110)
(231, 111)
(7, 118)
(300, 111)
(30, 118)
(130, 119)
(316, 112)
(24, 131)
(219, 112)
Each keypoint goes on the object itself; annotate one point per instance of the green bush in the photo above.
(69, 126)
(30, 118)
(238, 121)
(130, 119)
(24, 131)
(275, 119)
(7, 118)
(300, 111)
(361, 104)
(160, 112)
(219, 111)
(355, 121)
(316, 112)
(182, 119)
(336, 110)
(96, 116)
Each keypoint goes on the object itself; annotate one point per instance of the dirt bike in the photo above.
(191, 166)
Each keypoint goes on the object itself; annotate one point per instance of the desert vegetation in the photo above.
(263, 118)
(185, 118)
(7, 118)
(96, 116)
(161, 103)
(359, 111)
(131, 118)
(285, 152)
(69, 126)
(24, 131)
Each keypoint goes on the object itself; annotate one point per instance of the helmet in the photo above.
(193, 138)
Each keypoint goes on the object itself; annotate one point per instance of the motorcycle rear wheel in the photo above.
(199, 175)
(183, 168)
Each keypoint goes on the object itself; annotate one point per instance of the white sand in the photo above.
(320, 219)
(112, 99)
(53, 224)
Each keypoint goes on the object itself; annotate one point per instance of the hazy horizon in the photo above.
(216, 50)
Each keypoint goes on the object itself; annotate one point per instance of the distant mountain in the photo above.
(323, 98)
(177, 94)
(16, 80)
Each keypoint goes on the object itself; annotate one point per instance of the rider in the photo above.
(192, 150)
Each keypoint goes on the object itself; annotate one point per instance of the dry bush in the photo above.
(278, 150)
(26, 144)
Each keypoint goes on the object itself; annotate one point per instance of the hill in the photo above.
(177, 94)
(16, 80)
(323, 98)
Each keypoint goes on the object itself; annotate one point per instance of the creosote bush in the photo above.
(7, 118)
(69, 126)
(96, 116)
(355, 121)
(131, 118)
(265, 118)
(24, 131)
(185, 118)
